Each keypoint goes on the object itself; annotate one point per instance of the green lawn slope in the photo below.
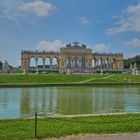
(61, 78)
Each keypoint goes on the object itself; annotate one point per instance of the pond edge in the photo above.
(70, 84)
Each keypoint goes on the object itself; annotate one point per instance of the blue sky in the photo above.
(103, 25)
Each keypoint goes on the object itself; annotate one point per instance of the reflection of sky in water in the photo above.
(9, 102)
(18, 102)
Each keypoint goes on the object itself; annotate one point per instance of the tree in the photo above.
(133, 60)
(1, 65)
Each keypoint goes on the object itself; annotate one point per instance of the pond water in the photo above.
(50, 101)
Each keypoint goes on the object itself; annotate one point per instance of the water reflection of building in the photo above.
(108, 100)
(50, 101)
(3, 98)
(18, 102)
(73, 100)
(42, 100)
(25, 102)
(132, 99)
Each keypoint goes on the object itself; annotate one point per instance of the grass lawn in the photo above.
(20, 129)
(61, 78)
(42, 78)
(117, 78)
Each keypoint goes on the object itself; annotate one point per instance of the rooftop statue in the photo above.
(76, 43)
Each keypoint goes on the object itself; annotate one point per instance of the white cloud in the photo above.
(40, 8)
(101, 47)
(49, 46)
(128, 21)
(134, 42)
(10, 9)
(18, 10)
(85, 20)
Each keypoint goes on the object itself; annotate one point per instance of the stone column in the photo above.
(94, 64)
(114, 64)
(75, 62)
(28, 64)
(57, 62)
(25, 65)
(97, 64)
(51, 62)
(72, 63)
(107, 65)
(43, 63)
(36, 63)
(83, 62)
(101, 65)
(69, 62)
(79, 63)
(110, 64)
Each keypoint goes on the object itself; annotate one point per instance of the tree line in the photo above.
(133, 60)
(1, 65)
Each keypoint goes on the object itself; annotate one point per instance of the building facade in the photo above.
(73, 58)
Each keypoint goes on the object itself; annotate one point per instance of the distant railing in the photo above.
(53, 68)
(117, 70)
(107, 54)
(38, 52)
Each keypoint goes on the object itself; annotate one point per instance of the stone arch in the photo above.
(104, 63)
(55, 61)
(110, 63)
(100, 62)
(47, 62)
(79, 62)
(32, 62)
(40, 62)
(94, 63)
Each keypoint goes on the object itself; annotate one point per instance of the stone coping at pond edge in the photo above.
(70, 84)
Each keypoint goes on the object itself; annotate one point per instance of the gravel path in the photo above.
(124, 136)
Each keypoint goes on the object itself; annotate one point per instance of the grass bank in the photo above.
(41, 78)
(20, 129)
(61, 78)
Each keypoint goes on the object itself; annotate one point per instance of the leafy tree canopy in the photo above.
(133, 60)
(1, 65)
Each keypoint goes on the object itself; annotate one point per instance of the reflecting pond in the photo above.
(50, 101)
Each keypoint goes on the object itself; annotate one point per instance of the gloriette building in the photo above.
(73, 58)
